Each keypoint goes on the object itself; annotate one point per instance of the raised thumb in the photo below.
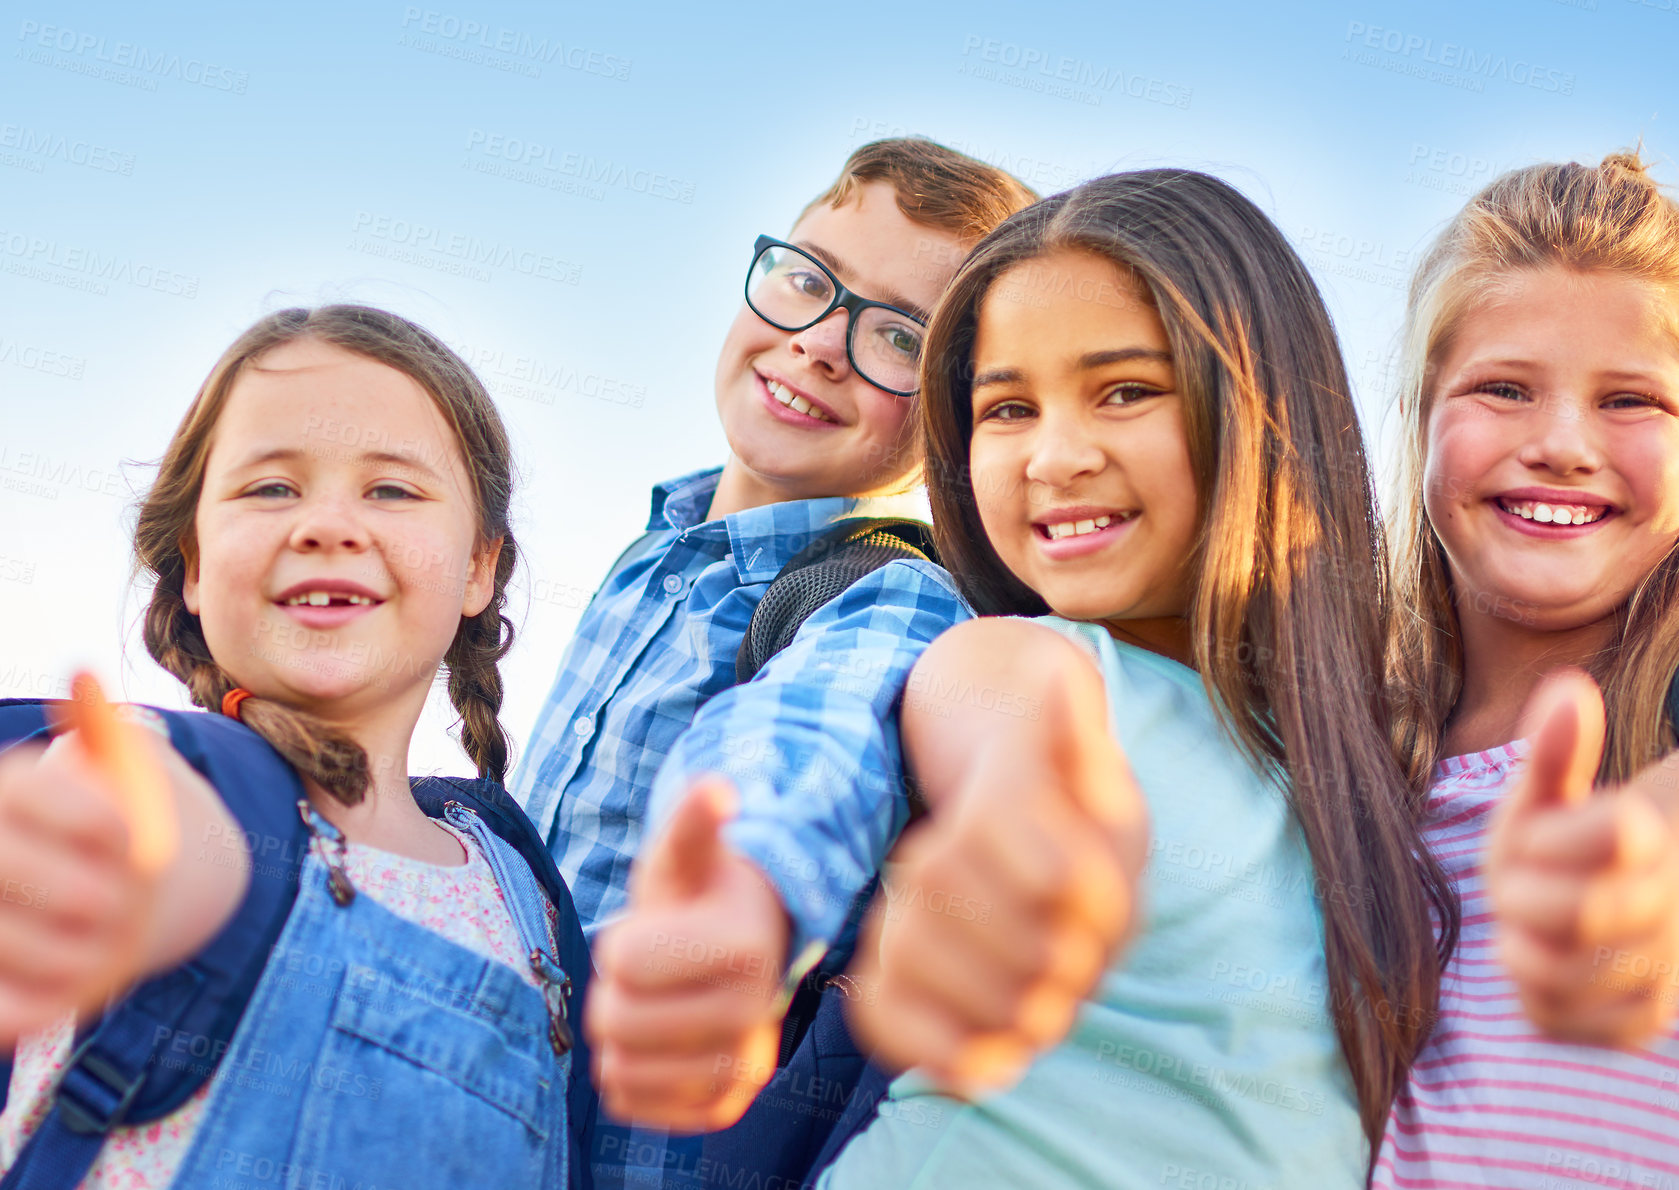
(682, 861)
(119, 753)
(1564, 724)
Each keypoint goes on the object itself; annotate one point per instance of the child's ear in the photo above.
(481, 580)
(189, 581)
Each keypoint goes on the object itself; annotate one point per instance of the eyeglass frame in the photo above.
(844, 299)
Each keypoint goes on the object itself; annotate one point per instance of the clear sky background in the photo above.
(166, 177)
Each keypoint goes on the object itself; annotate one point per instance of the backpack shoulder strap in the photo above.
(20, 719)
(821, 572)
(152, 1050)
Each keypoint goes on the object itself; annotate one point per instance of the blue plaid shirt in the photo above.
(658, 642)
(647, 688)
(812, 743)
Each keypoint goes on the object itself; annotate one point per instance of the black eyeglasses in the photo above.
(792, 290)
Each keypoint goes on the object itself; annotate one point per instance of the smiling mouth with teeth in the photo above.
(1061, 529)
(795, 402)
(329, 599)
(1555, 514)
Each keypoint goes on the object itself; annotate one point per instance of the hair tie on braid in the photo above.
(232, 699)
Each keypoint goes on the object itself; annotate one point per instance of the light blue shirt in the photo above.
(1207, 1055)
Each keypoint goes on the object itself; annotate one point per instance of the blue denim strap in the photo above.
(529, 909)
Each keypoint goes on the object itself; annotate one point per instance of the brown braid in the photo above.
(475, 675)
(163, 542)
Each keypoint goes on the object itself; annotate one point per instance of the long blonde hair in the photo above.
(164, 536)
(1609, 217)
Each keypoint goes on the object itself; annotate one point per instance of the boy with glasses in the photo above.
(814, 387)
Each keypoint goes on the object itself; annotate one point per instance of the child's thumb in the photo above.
(121, 757)
(1085, 759)
(684, 858)
(1564, 724)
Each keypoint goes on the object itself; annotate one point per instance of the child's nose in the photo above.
(1564, 438)
(824, 343)
(1061, 452)
(328, 524)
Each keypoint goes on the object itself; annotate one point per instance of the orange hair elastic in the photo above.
(232, 699)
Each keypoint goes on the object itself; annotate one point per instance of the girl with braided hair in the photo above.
(328, 526)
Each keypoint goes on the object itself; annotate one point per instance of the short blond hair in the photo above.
(935, 186)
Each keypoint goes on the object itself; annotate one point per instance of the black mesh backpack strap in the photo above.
(822, 571)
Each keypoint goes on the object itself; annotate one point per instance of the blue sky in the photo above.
(168, 177)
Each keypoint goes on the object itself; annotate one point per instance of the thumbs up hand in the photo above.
(1012, 899)
(76, 879)
(96, 889)
(1585, 884)
(685, 1009)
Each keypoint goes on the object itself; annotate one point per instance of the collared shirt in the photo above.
(811, 741)
(812, 744)
(657, 642)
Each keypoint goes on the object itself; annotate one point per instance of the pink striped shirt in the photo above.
(1491, 1103)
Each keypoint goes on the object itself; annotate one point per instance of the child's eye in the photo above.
(272, 489)
(388, 491)
(1007, 411)
(1126, 394)
(810, 283)
(1502, 388)
(1634, 401)
(901, 341)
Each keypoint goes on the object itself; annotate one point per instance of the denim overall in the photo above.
(378, 1054)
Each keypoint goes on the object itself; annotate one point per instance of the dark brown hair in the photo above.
(1609, 217)
(935, 185)
(1289, 614)
(164, 541)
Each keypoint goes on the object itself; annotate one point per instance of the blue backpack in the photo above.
(120, 1073)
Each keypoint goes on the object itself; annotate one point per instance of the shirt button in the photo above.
(583, 726)
(672, 584)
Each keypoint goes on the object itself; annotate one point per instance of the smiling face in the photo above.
(799, 421)
(1080, 462)
(1552, 447)
(336, 535)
